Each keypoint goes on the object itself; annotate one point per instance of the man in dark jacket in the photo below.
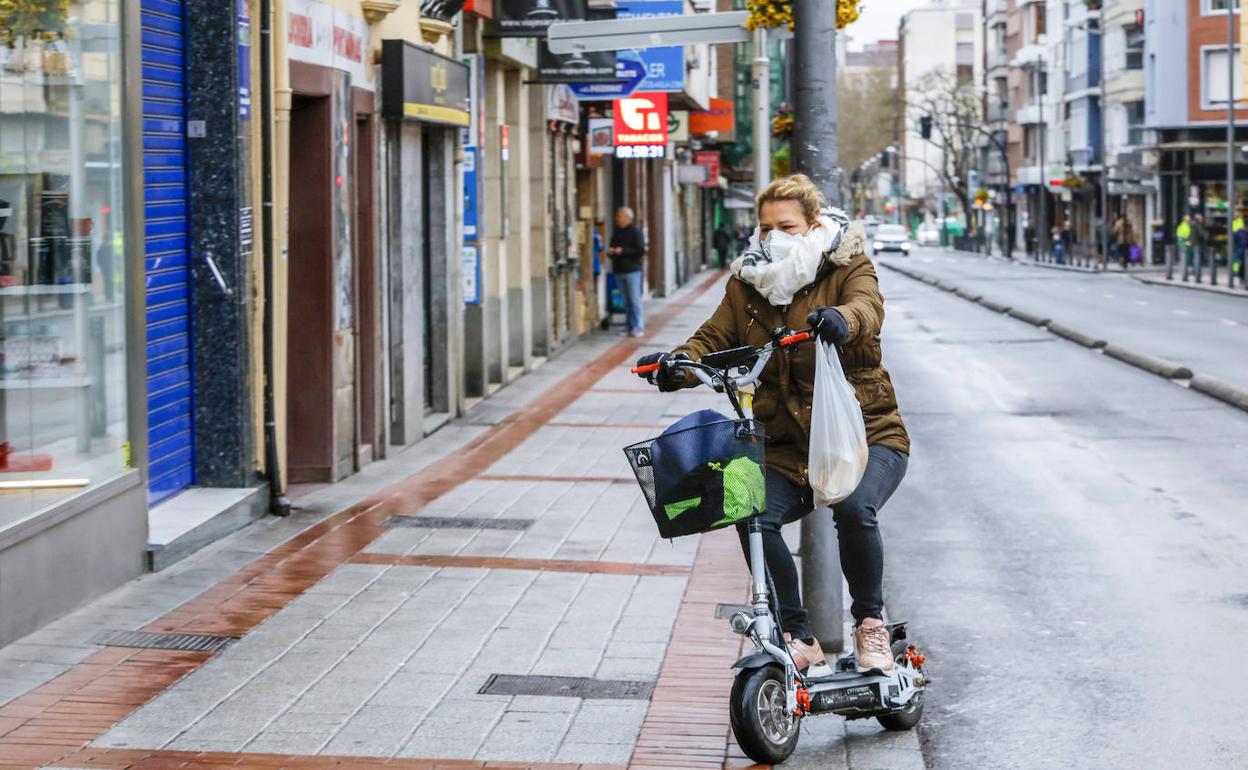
(628, 248)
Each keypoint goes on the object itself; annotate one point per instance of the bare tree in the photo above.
(955, 109)
(868, 116)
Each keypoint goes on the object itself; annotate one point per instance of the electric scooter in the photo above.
(769, 695)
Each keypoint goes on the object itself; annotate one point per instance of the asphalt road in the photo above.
(1205, 331)
(1069, 542)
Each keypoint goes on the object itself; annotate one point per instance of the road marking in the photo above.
(1141, 302)
(1181, 312)
(1229, 322)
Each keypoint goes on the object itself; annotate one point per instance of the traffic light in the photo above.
(925, 126)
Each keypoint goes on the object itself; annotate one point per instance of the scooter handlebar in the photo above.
(644, 369)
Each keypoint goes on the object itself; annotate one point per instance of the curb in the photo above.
(1030, 318)
(1158, 366)
(1191, 286)
(995, 306)
(1221, 390)
(1087, 340)
(968, 295)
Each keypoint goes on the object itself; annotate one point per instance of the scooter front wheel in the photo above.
(908, 717)
(764, 728)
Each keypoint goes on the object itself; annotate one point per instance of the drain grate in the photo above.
(725, 611)
(567, 687)
(456, 522)
(152, 641)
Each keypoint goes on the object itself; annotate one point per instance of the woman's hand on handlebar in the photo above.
(658, 370)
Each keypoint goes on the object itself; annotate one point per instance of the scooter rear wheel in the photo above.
(908, 717)
(764, 728)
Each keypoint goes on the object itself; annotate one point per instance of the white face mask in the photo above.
(780, 245)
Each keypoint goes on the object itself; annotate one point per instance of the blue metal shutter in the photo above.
(166, 239)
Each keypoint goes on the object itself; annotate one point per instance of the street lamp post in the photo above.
(815, 154)
(761, 76)
(1230, 152)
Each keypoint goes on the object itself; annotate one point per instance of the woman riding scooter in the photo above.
(805, 266)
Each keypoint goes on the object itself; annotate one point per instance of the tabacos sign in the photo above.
(640, 125)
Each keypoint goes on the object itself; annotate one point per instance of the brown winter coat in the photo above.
(845, 281)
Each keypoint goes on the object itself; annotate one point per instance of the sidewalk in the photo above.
(416, 613)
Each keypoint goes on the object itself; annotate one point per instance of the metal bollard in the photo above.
(821, 579)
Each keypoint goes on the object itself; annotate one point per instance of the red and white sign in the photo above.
(640, 122)
(710, 159)
(321, 34)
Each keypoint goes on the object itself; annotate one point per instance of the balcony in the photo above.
(1032, 114)
(997, 57)
(1031, 55)
(998, 112)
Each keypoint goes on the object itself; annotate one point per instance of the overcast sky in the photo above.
(879, 21)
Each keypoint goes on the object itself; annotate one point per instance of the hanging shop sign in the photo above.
(561, 104)
(710, 159)
(640, 125)
(628, 75)
(530, 18)
(418, 84)
(664, 66)
(678, 126)
(719, 118)
(328, 37)
(600, 136)
(593, 67)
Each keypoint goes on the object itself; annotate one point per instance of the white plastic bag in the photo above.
(838, 436)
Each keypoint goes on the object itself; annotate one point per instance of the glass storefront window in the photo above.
(62, 320)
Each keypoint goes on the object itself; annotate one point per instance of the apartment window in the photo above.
(964, 21)
(1135, 47)
(1213, 76)
(965, 59)
(1039, 21)
(1215, 6)
(1135, 122)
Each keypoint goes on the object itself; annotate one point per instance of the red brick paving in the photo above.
(53, 723)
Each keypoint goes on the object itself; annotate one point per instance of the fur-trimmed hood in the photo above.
(852, 244)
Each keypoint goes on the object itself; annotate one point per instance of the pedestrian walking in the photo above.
(1200, 244)
(806, 266)
(1183, 243)
(627, 252)
(722, 241)
(1239, 239)
(1124, 238)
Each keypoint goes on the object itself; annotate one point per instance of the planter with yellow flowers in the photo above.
(769, 14)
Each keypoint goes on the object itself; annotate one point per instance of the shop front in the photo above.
(424, 99)
(68, 305)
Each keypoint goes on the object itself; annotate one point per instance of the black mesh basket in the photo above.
(702, 478)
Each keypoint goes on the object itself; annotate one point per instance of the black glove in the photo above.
(829, 324)
(666, 377)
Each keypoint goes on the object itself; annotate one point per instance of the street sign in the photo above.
(628, 76)
(650, 32)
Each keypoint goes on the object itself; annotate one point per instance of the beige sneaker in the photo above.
(805, 656)
(872, 647)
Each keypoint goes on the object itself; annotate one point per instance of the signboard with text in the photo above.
(530, 18)
(640, 125)
(719, 118)
(710, 159)
(665, 65)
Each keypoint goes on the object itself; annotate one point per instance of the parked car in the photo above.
(870, 223)
(927, 235)
(890, 238)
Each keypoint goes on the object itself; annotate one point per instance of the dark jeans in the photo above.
(858, 535)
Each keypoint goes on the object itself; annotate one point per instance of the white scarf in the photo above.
(778, 280)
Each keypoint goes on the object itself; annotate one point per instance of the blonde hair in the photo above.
(795, 187)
